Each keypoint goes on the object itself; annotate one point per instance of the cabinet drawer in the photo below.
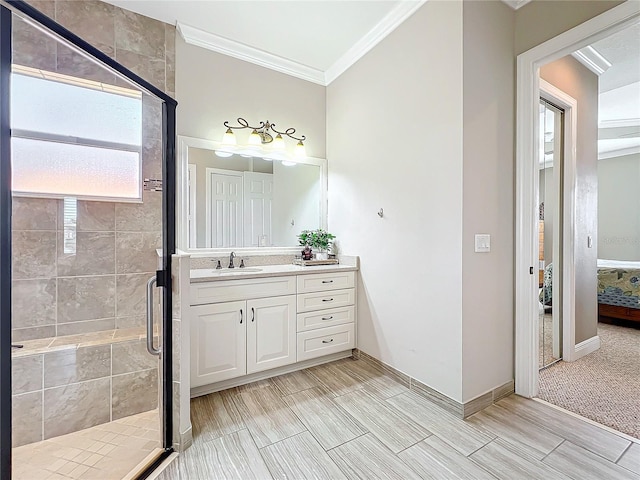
(325, 318)
(231, 290)
(319, 282)
(308, 302)
(324, 341)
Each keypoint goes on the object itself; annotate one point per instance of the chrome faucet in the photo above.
(231, 257)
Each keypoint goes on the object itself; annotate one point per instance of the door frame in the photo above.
(528, 95)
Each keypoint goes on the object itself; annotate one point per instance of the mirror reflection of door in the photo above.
(550, 233)
(224, 208)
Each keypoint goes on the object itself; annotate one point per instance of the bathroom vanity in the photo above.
(254, 323)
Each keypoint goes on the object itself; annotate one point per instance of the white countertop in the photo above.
(213, 275)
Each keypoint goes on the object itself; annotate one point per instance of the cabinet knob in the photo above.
(240, 315)
(327, 341)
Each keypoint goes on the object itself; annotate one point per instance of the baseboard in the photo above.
(255, 377)
(462, 410)
(186, 440)
(585, 348)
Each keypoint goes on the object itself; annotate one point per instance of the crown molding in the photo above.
(383, 28)
(619, 152)
(241, 51)
(592, 59)
(516, 4)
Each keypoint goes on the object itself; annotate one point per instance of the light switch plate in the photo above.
(483, 243)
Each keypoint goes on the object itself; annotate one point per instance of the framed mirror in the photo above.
(245, 204)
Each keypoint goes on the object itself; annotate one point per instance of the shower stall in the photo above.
(87, 233)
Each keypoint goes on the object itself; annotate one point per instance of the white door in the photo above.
(224, 208)
(258, 199)
(218, 342)
(271, 333)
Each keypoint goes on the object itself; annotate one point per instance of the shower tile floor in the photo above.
(110, 451)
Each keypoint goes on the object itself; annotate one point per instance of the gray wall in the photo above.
(541, 20)
(488, 192)
(212, 88)
(573, 78)
(619, 207)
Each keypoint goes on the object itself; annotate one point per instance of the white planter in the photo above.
(322, 255)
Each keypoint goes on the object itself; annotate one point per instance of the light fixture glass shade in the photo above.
(300, 151)
(229, 137)
(278, 143)
(287, 163)
(223, 154)
(254, 138)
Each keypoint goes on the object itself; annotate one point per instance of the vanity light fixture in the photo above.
(264, 141)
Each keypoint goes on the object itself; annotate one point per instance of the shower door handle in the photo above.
(150, 286)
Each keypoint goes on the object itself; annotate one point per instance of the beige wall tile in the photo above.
(96, 216)
(90, 19)
(26, 374)
(33, 303)
(31, 47)
(77, 65)
(136, 251)
(139, 34)
(86, 298)
(151, 117)
(94, 255)
(149, 68)
(134, 393)
(140, 217)
(136, 321)
(131, 294)
(24, 334)
(88, 326)
(34, 254)
(132, 357)
(170, 56)
(152, 158)
(26, 418)
(47, 7)
(76, 365)
(34, 213)
(74, 407)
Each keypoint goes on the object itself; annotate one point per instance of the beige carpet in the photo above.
(603, 386)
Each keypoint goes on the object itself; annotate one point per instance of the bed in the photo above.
(618, 291)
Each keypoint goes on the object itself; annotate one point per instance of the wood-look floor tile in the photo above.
(374, 379)
(516, 430)
(322, 417)
(366, 458)
(508, 462)
(577, 431)
(434, 459)
(631, 458)
(299, 457)
(580, 464)
(391, 427)
(294, 382)
(453, 430)
(335, 379)
(233, 456)
(266, 416)
(214, 415)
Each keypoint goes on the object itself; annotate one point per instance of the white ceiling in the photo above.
(622, 50)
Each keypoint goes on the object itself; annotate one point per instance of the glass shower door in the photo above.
(88, 234)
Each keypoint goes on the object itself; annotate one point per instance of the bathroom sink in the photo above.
(212, 272)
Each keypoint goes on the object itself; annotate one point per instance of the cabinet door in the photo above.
(218, 342)
(271, 333)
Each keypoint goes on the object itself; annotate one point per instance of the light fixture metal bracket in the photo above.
(263, 130)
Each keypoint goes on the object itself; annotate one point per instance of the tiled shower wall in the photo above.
(102, 286)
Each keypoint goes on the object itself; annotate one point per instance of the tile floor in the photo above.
(105, 452)
(361, 423)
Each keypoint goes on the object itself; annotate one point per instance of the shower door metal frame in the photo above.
(168, 219)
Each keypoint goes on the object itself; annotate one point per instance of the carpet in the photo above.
(603, 386)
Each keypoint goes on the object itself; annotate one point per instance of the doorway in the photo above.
(87, 232)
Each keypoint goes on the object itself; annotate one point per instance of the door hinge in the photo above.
(530, 270)
(161, 278)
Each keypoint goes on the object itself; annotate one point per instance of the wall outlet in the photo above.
(483, 243)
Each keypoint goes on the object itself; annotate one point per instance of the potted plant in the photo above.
(320, 239)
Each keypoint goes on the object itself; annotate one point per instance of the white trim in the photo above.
(182, 237)
(588, 346)
(592, 59)
(384, 27)
(216, 43)
(516, 4)
(528, 64)
(621, 152)
(192, 179)
(619, 122)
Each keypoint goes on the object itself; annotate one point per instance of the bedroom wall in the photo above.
(573, 78)
(488, 192)
(619, 208)
(395, 142)
(212, 88)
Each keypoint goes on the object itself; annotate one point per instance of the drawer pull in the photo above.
(253, 314)
(327, 299)
(327, 341)
(241, 316)
(327, 281)
(328, 318)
